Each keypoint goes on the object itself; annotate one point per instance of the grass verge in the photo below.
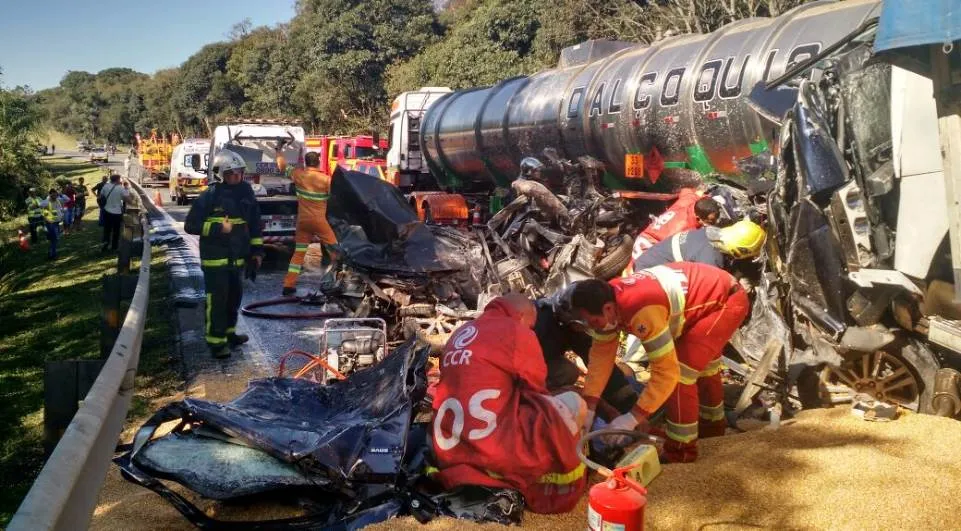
(51, 311)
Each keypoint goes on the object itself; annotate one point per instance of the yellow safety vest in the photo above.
(52, 212)
(33, 207)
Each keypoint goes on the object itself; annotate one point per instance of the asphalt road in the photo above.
(270, 339)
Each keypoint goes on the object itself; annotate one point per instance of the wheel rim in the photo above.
(877, 374)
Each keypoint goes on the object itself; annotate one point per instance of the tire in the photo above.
(919, 361)
(615, 261)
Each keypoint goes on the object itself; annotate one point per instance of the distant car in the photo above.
(83, 146)
(99, 155)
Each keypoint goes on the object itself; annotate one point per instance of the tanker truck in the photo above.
(836, 151)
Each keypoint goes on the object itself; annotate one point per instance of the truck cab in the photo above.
(271, 148)
(357, 153)
(185, 182)
(406, 167)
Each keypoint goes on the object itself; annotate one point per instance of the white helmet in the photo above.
(227, 160)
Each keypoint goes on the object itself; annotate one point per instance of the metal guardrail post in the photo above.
(66, 491)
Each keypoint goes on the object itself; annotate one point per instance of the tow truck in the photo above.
(271, 148)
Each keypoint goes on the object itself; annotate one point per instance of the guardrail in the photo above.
(65, 493)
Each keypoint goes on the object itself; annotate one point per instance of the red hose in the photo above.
(314, 361)
(249, 310)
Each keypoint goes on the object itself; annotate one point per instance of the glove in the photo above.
(623, 422)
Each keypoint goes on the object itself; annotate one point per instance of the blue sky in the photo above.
(40, 40)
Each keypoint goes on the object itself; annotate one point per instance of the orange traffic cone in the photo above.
(24, 242)
(157, 200)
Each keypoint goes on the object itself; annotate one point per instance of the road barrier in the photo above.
(65, 493)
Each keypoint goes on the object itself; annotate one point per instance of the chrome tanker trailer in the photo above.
(687, 96)
(836, 148)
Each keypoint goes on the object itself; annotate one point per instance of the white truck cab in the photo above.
(270, 148)
(405, 162)
(185, 182)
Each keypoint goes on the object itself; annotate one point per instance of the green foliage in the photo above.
(337, 63)
(20, 167)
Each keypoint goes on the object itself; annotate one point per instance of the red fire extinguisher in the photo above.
(617, 502)
(476, 218)
(24, 242)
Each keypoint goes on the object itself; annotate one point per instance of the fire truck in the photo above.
(361, 153)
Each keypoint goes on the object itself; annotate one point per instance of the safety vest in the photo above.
(52, 212)
(34, 210)
(672, 281)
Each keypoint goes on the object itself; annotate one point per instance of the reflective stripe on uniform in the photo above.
(659, 345)
(300, 246)
(713, 367)
(220, 262)
(712, 413)
(670, 280)
(221, 219)
(553, 478)
(231, 330)
(682, 433)
(293, 268)
(256, 241)
(676, 248)
(689, 376)
(213, 340)
(558, 478)
(311, 196)
(602, 337)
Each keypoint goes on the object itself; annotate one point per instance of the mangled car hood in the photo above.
(378, 231)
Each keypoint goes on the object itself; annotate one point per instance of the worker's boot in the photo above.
(235, 340)
(289, 291)
(220, 352)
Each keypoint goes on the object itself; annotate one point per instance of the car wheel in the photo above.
(901, 373)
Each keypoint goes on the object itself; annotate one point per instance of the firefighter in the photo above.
(560, 331)
(34, 213)
(691, 210)
(313, 189)
(683, 313)
(494, 424)
(707, 245)
(227, 218)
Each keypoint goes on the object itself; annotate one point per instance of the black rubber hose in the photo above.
(250, 310)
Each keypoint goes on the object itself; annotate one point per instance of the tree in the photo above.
(345, 48)
(204, 91)
(20, 167)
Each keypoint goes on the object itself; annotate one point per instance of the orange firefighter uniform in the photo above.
(683, 313)
(313, 190)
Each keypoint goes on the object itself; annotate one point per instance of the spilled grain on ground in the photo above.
(824, 470)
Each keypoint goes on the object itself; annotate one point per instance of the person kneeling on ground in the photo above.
(494, 423)
(559, 331)
(683, 313)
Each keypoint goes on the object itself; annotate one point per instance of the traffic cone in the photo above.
(157, 200)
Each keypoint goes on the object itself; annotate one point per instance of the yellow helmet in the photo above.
(743, 239)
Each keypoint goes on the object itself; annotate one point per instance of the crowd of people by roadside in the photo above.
(60, 211)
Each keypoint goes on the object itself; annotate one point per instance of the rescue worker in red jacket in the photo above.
(313, 190)
(494, 424)
(683, 313)
(690, 210)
